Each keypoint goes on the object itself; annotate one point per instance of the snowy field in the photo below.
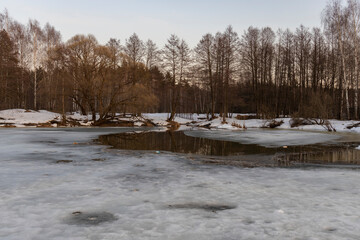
(144, 195)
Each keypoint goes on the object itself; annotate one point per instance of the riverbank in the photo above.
(43, 118)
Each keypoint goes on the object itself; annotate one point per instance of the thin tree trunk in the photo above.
(356, 79)
(345, 80)
(63, 102)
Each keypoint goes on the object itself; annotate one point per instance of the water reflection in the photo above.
(349, 156)
(180, 143)
(231, 152)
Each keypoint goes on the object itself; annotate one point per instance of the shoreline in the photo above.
(21, 118)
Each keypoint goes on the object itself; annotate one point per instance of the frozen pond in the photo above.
(271, 148)
(57, 184)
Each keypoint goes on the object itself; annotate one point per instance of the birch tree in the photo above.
(335, 19)
(35, 38)
(354, 22)
(51, 39)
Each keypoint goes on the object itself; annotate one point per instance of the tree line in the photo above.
(306, 72)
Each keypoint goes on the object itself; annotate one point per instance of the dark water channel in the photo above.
(213, 151)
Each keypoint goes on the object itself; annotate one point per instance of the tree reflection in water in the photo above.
(180, 143)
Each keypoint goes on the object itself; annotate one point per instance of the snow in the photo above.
(142, 190)
(160, 119)
(31, 118)
(270, 137)
(21, 117)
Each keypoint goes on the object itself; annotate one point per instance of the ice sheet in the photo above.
(162, 196)
(268, 138)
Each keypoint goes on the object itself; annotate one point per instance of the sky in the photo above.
(158, 19)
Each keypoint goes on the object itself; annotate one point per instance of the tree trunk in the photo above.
(345, 80)
(63, 101)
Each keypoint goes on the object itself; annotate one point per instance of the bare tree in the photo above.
(20, 37)
(5, 21)
(287, 101)
(250, 59)
(151, 54)
(335, 19)
(302, 40)
(205, 56)
(36, 36)
(115, 51)
(176, 59)
(135, 50)
(2, 17)
(318, 59)
(8, 69)
(354, 22)
(52, 39)
(96, 88)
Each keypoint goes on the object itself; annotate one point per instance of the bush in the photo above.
(246, 117)
(296, 122)
(319, 105)
(267, 112)
(273, 123)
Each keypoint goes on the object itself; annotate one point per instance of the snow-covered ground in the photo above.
(28, 118)
(161, 196)
(234, 123)
(272, 138)
(23, 118)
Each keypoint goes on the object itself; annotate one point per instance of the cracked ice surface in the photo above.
(162, 196)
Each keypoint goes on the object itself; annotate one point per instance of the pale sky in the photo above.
(157, 19)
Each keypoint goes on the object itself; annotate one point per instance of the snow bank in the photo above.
(232, 123)
(161, 118)
(269, 137)
(22, 117)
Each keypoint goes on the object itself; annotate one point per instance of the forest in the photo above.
(306, 72)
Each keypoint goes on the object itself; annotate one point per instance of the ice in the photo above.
(269, 138)
(162, 196)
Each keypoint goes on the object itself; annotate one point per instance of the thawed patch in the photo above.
(64, 161)
(330, 229)
(90, 218)
(202, 206)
